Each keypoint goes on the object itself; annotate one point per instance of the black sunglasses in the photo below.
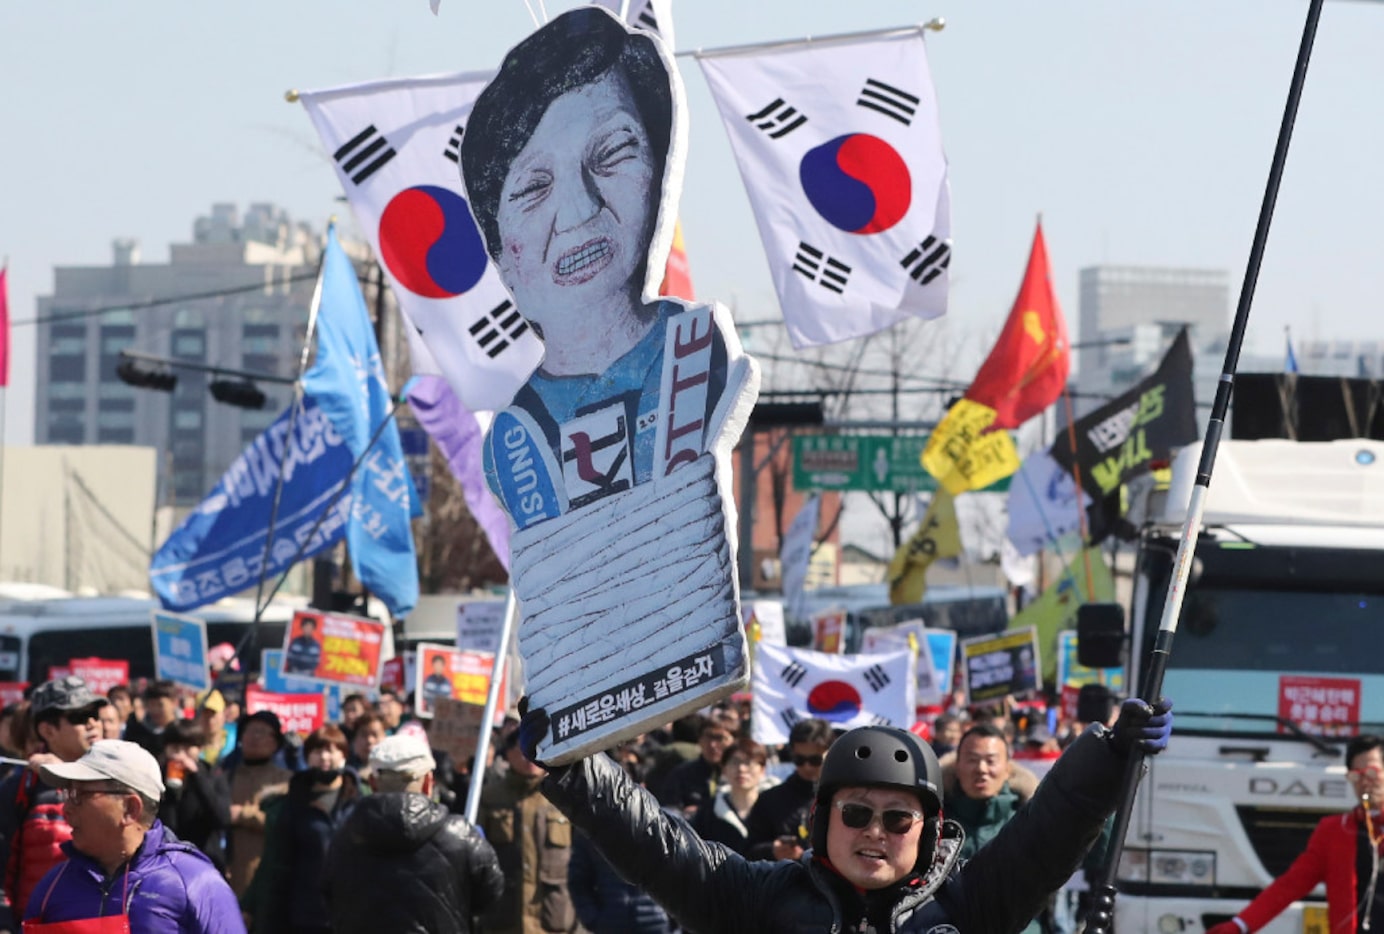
(82, 717)
(860, 816)
(808, 760)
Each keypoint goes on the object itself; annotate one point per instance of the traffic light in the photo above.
(161, 379)
(240, 393)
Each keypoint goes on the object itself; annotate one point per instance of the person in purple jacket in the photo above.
(124, 867)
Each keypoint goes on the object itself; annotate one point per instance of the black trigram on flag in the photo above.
(877, 677)
(877, 720)
(777, 119)
(888, 100)
(927, 260)
(499, 329)
(364, 154)
(790, 717)
(646, 19)
(453, 150)
(793, 673)
(822, 269)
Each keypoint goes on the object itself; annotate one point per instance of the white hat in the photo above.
(403, 753)
(114, 760)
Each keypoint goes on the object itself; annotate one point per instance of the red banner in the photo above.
(392, 673)
(332, 648)
(298, 713)
(1324, 706)
(100, 674)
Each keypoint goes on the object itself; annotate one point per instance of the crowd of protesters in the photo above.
(288, 823)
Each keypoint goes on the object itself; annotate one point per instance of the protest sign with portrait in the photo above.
(328, 647)
(612, 461)
(457, 674)
(1002, 664)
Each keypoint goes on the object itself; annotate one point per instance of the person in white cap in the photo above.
(119, 848)
(402, 862)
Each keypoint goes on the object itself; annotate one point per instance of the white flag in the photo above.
(796, 554)
(841, 154)
(845, 690)
(395, 145)
(1042, 504)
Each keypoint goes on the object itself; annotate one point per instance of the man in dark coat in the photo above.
(778, 823)
(402, 863)
(883, 858)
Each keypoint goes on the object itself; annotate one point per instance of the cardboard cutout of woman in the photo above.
(611, 460)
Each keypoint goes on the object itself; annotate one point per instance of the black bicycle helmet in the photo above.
(881, 756)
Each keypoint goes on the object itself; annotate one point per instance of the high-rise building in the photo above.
(237, 296)
(1117, 298)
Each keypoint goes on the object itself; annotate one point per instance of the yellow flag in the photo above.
(938, 536)
(1055, 609)
(962, 457)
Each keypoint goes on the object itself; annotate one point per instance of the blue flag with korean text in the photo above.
(347, 380)
(218, 550)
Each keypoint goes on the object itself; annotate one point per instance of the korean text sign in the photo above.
(335, 649)
(1001, 664)
(180, 650)
(445, 672)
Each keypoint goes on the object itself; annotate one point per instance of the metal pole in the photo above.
(1102, 915)
(492, 697)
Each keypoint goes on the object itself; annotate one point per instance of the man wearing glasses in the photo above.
(1343, 852)
(124, 871)
(882, 858)
(778, 822)
(66, 720)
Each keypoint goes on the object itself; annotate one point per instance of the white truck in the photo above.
(1278, 658)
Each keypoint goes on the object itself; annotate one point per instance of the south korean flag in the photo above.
(841, 153)
(791, 684)
(395, 145)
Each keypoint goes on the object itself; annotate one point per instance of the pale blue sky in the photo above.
(1143, 134)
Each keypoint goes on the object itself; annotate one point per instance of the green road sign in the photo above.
(871, 463)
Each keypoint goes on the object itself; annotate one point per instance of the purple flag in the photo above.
(456, 430)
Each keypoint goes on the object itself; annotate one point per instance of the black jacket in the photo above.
(781, 811)
(706, 887)
(199, 811)
(403, 864)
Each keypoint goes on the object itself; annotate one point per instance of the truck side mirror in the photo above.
(1100, 634)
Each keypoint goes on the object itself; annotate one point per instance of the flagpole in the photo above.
(297, 407)
(492, 697)
(302, 546)
(1102, 917)
(936, 24)
(1082, 526)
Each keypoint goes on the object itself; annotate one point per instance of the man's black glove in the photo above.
(1140, 725)
(533, 726)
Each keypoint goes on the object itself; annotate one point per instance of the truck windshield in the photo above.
(1263, 637)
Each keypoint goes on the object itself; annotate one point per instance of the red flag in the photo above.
(677, 276)
(4, 327)
(1029, 363)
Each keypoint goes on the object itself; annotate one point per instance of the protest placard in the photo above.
(443, 671)
(1002, 664)
(478, 625)
(297, 713)
(456, 728)
(610, 460)
(12, 692)
(767, 616)
(180, 650)
(392, 673)
(100, 674)
(829, 631)
(328, 647)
